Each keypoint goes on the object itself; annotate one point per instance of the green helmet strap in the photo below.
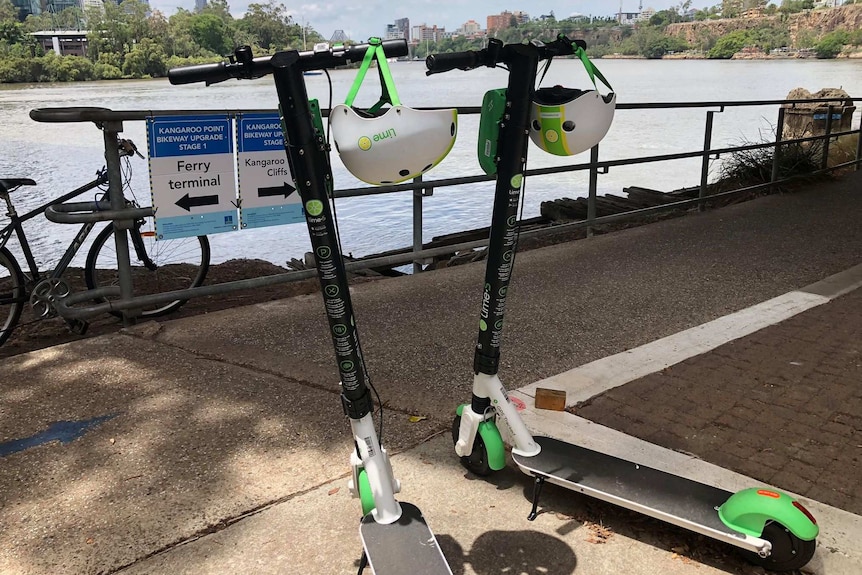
(389, 95)
(588, 65)
(591, 69)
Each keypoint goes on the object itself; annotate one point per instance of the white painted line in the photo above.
(594, 378)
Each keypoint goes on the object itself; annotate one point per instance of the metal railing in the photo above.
(111, 122)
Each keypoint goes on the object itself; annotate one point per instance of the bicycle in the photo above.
(156, 266)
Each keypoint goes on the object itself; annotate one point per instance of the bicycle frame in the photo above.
(16, 226)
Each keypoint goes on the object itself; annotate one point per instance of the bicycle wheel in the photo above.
(12, 294)
(157, 266)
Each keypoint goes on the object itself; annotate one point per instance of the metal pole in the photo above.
(704, 165)
(417, 225)
(594, 183)
(121, 227)
(859, 147)
(825, 160)
(779, 135)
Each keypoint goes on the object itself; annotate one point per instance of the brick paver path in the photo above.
(783, 405)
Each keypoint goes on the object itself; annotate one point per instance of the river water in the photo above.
(62, 156)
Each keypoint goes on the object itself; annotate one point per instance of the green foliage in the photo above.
(147, 59)
(211, 33)
(18, 69)
(103, 71)
(832, 44)
(65, 68)
(729, 44)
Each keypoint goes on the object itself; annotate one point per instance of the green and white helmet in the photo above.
(568, 121)
(397, 145)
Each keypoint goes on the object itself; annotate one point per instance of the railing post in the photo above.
(118, 202)
(704, 166)
(779, 135)
(417, 223)
(824, 162)
(859, 147)
(594, 184)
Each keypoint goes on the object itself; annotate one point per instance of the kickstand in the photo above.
(363, 563)
(537, 490)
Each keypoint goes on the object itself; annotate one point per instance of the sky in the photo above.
(360, 20)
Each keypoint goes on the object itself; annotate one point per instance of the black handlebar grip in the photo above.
(395, 48)
(209, 73)
(437, 63)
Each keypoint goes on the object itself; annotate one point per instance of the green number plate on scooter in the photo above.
(493, 106)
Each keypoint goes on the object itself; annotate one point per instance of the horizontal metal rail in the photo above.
(67, 308)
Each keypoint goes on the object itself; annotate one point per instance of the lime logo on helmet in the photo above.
(516, 180)
(552, 136)
(314, 207)
(364, 143)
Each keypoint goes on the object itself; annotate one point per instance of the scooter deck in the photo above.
(643, 489)
(406, 546)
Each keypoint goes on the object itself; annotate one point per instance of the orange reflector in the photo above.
(799, 506)
(766, 493)
(148, 234)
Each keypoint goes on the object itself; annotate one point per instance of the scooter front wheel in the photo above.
(477, 462)
(789, 552)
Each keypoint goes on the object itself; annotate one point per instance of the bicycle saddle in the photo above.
(9, 184)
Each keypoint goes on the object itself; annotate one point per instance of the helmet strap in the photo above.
(588, 65)
(389, 95)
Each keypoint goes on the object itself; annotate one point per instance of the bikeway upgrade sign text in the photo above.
(192, 175)
(268, 196)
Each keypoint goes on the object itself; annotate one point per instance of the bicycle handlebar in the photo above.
(244, 66)
(497, 53)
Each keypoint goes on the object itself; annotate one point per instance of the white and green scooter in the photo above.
(775, 529)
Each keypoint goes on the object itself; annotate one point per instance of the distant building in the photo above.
(27, 7)
(469, 29)
(628, 18)
(505, 19)
(422, 33)
(400, 29)
(63, 42)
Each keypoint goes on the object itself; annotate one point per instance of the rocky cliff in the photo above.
(816, 22)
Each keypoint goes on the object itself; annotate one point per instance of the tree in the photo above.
(729, 44)
(147, 59)
(831, 44)
(211, 33)
(271, 25)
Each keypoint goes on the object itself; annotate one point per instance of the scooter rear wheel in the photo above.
(477, 461)
(788, 551)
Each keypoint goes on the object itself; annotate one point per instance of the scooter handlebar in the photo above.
(497, 53)
(246, 67)
(437, 63)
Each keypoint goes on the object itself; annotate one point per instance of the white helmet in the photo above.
(568, 121)
(397, 145)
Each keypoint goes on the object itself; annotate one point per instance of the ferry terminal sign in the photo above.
(192, 175)
(266, 186)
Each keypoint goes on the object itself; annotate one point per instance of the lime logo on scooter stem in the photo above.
(516, 180)
(314, 207)
(486, 304)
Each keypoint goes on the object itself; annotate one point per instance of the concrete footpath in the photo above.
(724, 346)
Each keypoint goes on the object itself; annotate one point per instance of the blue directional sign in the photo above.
(192, 175)
(267, 192)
